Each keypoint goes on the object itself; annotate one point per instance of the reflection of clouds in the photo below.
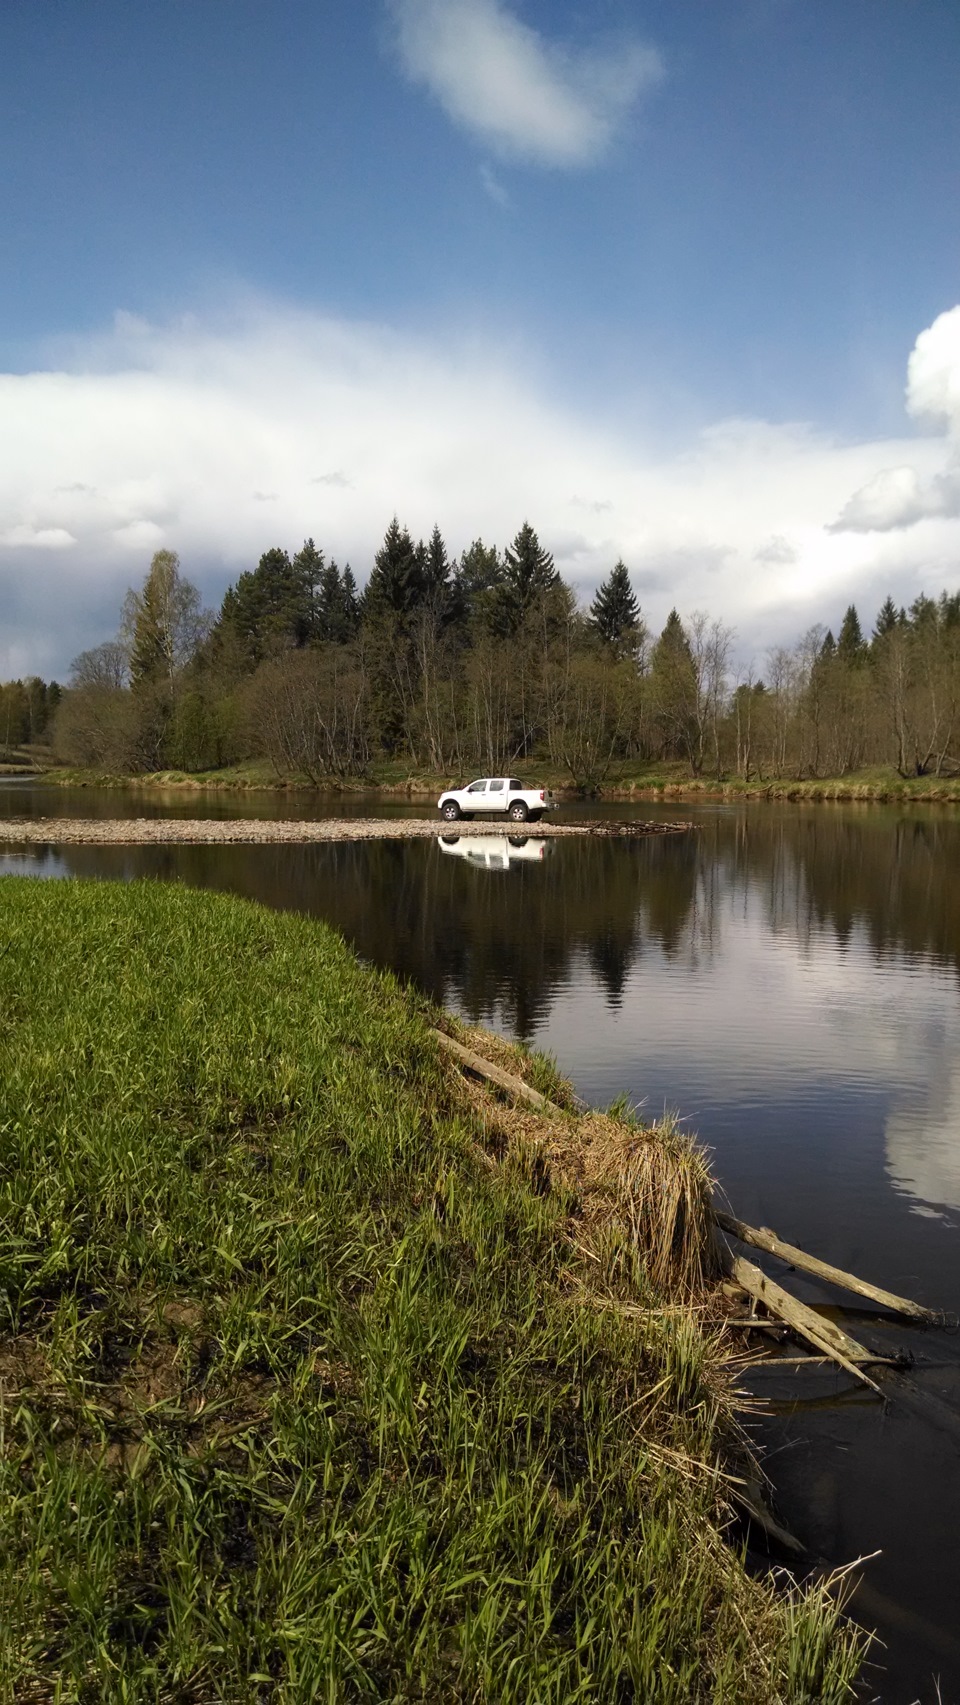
(773, 1017)
(923, 1138)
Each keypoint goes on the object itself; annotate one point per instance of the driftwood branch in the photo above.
(825, 1338)
(763, 1238)
(822, 1334)
(504, 1080)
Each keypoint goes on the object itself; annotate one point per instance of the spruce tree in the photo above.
(436, 571)
(307, 567)
(886, 618)
(396, 581)
(615, 612)
(850, 646)
(337, 611)
(528, 573)
(673, 687)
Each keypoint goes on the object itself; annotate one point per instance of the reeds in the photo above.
(297, 1399)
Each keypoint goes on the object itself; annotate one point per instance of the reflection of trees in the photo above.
(890, 874)
(492, 939)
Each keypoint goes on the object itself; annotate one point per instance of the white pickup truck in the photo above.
(500, 795)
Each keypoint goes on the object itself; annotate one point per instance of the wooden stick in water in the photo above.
(822, 1334)
(764, 1238)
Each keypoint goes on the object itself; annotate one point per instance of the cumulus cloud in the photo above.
(525, 97)
(933, 372)
(37, 538)
(173, 436)
(901, 496)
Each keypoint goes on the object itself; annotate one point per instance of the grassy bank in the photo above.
(312, 1386)
(661, 781)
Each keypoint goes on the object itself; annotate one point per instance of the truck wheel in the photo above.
(518, 811)
(450, 811)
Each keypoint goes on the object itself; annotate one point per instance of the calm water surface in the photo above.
(787, 979)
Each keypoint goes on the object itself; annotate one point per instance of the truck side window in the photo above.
(497, 786)
(513, 783)
(476, 787)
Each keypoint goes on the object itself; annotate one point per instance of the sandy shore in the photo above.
(163, 831)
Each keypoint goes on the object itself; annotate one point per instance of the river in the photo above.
(788, 980)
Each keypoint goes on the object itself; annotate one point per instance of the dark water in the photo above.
(788, 979)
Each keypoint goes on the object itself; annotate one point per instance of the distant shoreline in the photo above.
(881, 788)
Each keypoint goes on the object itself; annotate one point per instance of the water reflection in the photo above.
(496, 852)
(923, 1136)
(791, 967)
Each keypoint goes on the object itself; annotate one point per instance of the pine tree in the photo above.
(337, 609)
(528, 573)
(673, 687)
(307, 569)
(396, 581)
(615, 612)
(478, 576)
(436, 572)
(274, 606)
(850, 646)
(886, 618)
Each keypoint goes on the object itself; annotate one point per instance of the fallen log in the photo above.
(822, 1334)
(764, 1238)
(504, 1080)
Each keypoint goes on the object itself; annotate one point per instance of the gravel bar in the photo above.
(246, 831)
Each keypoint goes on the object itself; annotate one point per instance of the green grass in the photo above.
(300, 1397)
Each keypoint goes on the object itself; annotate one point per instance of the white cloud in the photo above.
(173, 436)
(902, 496)
(37, 538)
(933, 372)
(893, 498)
(524, 96)
(139, 536)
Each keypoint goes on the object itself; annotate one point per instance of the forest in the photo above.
(448, 665)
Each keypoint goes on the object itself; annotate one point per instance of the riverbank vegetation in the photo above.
(484, 663)
(315, 1379)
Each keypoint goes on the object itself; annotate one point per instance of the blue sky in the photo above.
(649, 274)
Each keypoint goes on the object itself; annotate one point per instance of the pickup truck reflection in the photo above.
(496, 852)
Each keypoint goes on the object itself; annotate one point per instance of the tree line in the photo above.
(482, 661)
(27, 709)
